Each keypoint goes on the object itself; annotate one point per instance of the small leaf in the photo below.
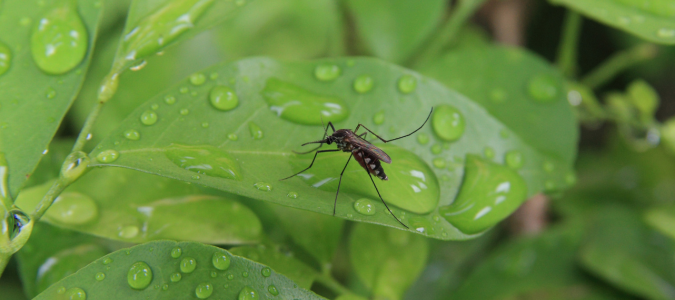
(394, 29)
(652, 20)
(284, 264)
(166, 276)
(35, 99)
(387, 261)
(136, 207)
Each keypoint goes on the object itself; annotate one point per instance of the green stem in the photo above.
(618, 63)
(569, 42)
(49, 198)
(332, 284)
(447, 32)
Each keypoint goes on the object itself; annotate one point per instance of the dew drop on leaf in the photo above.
(75, 165)
(327, 72)
(255, 130)
(176, 252)
(436, 149)
(232, 137)
(266, 272)
(184, 111)
(248, 293)
(263, 186)
(273, 290)
(439, 162)
(51, 93)
(132, 134)
(407, 84)
(107, 156)
(298, 105)
(75, 294)
(107, 261)
(292, 195)
(5, 58)
(542, 88)
(59, 39)
(206, 160)
(421, 225)
(204, 290)
(188, 264)
(365, 206)
(423, 138)
(72, 208)
(197, 79)
(139, 275)
(363, 84)
(175, 277)
(100, 276)
(378, 118)
(223, 98)
(169, 99)
(514, 159)
(221, 261)
(448, 123)
(149, 117)
(244, 274)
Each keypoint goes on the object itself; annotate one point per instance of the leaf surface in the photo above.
(287, 265)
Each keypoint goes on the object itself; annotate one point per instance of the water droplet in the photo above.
(327, 72)
(176, 252)
(74, 165)
(407, 84)
(100, 276)
(448, 123)
(489, 152)
(132, 134)
(436, 149)
(184, 111)
(549, 167)
(223, 98)
(378, 118)
(75, 294)
(206, 160)
(439, 162)
(139, 275)
(232, 137)
(245, 274)
(421, 225)
(165, 287)
(169, 99)
(139, 65)
(197, 79)
(184, 90)
(5, 58)
(514, 159)
(59, 40)
(214, 274)
(73, 208)
(51, 93)
(255, 130)
(230, 277)
(498, 95)
(188, 264)
(204, 290)
(266, 272)
(221, 261)
(128, 232)
(213, 76)
(273, 290)
(175, 277)
(263, 186)
(365, 206)
(107, 261)
(543, 88)
(301, 106)
(248, 293)
(363, 84)
(423, 138)
(293, 195)
(107, 156)
(666, 33)
(149, 117)
(154, 106)
(489, 193)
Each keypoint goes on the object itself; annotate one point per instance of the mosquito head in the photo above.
(330, 139)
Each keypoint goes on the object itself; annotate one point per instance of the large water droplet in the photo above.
(223, 98)
(363, 84)
(132, 134)
(327, 72)
(448, 123)
(5, 58)
(514, 159)
(543, 88)
(188, 264)
(263, 186)
(489, 193)
(74, 165)
(204, 290)
(365, 206)
(75, 294)
(149, 117)
(59, 39)
(73, 208)
(407, 84)
(299, 105)
(273, 290)
(221, 261)
(255, 130)
(248, 293)
(207, 160)
(107, 156)
(139, 275)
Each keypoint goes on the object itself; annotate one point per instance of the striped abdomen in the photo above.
(371, 164)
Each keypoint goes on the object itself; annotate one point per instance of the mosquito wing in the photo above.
(372, 150)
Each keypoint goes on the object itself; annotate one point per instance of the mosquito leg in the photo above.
(340, 182)
(400, 137)
(310, 165)
(385, 203)
(310, 151)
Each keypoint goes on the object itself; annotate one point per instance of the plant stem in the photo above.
(569, 42)
(447, 32)
(332, 284)
(618, 63)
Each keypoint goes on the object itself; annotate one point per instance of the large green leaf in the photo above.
(280, 262)
(387, 261)
(136, 207)
(249, 148)
(652, 20)
(394, 29)
(520, 89)
(171, 270)
(624, 251)
(34, 98)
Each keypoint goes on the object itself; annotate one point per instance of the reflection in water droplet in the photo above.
(138, 65)
(363, 84)
(273, 290)
(301, 106)
(255, 130)
(197, 79)
(221, 261)
(365, 206)
(72, 208)
(293, 195)
(407, 84)
(149, 117)
(139, 275)
(423, 138)
(266, 272)
(107, 261)
(5, 58)
(514, 159)
(128, 232)
(132, 134)
(543, 88)
(75, 294)
(59, 40)
(74, 165)
(448, 123)
(489, 193)
(176, 252)
(206, 160)
(327, 72)
(223, 98)
(188, 264)
(204, 290)
(421, 225)
(175, 277)
(378, 118)
(245, 274)
(107, 156)
(100, 276)
(263, 186)
(248, 293)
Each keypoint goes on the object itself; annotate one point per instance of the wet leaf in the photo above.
(394, 29)
(652, 20)
(280, 262)
(32, 100)
(135, 207)
(195, 265)
(387, 261)
(247, 149)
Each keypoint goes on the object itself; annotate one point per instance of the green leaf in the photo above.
(282, 263)
(318, 234)
(135, 207)
(158, 257)
(662, 219)
(394, 29)
(241, 162)
(10, 286)
(652, 20)
(518, 88)
(50, 164)
(33, 100)
(51, 254)
(387, 261)
(624, 251)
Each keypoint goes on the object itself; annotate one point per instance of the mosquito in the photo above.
(364, 152)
